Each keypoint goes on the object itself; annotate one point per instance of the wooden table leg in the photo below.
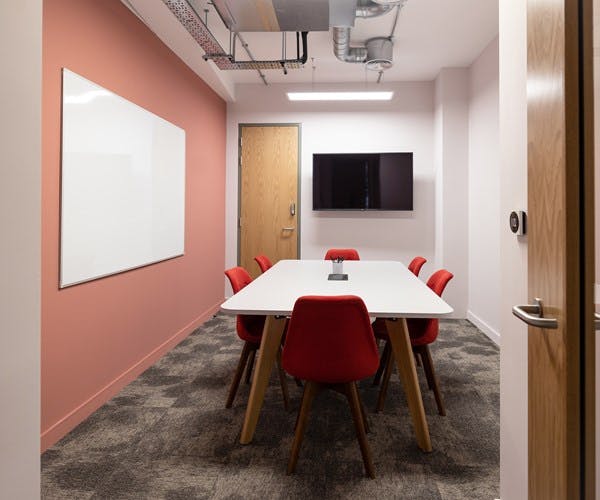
(400, 340)
(267, 354)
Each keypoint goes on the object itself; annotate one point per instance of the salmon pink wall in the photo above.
(99, 335)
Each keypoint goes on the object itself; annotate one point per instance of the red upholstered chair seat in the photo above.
(250, 328)
(343, 253)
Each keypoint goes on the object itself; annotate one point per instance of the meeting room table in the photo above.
(388, 289)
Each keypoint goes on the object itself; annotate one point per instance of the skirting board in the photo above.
(58, 430)
(489, 332)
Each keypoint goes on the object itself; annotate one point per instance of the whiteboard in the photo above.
(122, 184)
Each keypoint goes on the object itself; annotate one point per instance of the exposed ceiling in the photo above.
(430, 35)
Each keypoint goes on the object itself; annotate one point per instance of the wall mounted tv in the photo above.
(363, 181)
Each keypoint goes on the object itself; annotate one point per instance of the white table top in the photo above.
(388, 289)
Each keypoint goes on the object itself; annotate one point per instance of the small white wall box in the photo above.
(518, 222)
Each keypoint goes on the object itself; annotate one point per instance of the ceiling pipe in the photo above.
(341, 34)
(368, 8)
(342, 49)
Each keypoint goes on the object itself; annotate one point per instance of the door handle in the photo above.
(597, 321)
(288, 228)
(533, 314)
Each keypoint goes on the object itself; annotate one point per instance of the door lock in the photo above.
(292, 208)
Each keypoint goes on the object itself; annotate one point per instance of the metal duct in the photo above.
(368, 8)
(189, 19)
(342, 49)
(341, 34)
(379, 53)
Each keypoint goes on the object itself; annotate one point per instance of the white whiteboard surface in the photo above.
(122, 184)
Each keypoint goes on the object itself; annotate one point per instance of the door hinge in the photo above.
(239, 222)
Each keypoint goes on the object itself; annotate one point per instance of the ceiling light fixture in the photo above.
(340, 96)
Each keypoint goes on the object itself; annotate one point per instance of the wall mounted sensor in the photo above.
(518, 222)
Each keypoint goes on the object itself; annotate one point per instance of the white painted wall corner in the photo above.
(489, 332)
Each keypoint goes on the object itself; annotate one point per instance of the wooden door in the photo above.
(269, 209)
(560, 248)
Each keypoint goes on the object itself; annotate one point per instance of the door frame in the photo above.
(298, 182)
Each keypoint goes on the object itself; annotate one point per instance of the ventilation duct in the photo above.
(342, 49)
(285, 16)
(377, 52)
(368, 8)
(190, 20)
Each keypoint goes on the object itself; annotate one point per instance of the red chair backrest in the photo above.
(425, 331)
(416, 264)
(344, 253)
(263, 262)
(238, 277)
(248, 327)
(438, 281)
(330, 340)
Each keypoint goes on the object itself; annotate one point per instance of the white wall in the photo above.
(484, 194)
(20, 225)
(513, 250)
(404, 124)
(452, 161)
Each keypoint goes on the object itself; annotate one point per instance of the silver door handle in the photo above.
(597, 321)
(288, 228)
(533, 314)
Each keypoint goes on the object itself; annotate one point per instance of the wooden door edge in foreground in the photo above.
(561, 246)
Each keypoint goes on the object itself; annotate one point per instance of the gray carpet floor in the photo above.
(168, 435)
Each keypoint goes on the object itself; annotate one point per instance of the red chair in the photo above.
(416, 264)
(422, 333)
(330, 344)
(263, 262)
(249, 328)
(344, 253)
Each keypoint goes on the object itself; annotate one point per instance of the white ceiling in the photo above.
(430, 35)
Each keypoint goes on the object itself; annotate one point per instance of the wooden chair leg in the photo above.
(387, 349)
(248, 347)
(417, 359)
(354, 402)
(283, 382)
(432, 378)
(249, 367)
(364, 414)
(299, 412)
(310, 391)
(387, 374)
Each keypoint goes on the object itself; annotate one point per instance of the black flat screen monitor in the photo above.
(364, 181)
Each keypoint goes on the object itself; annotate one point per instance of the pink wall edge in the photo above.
(98, 336)
(71, 420)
